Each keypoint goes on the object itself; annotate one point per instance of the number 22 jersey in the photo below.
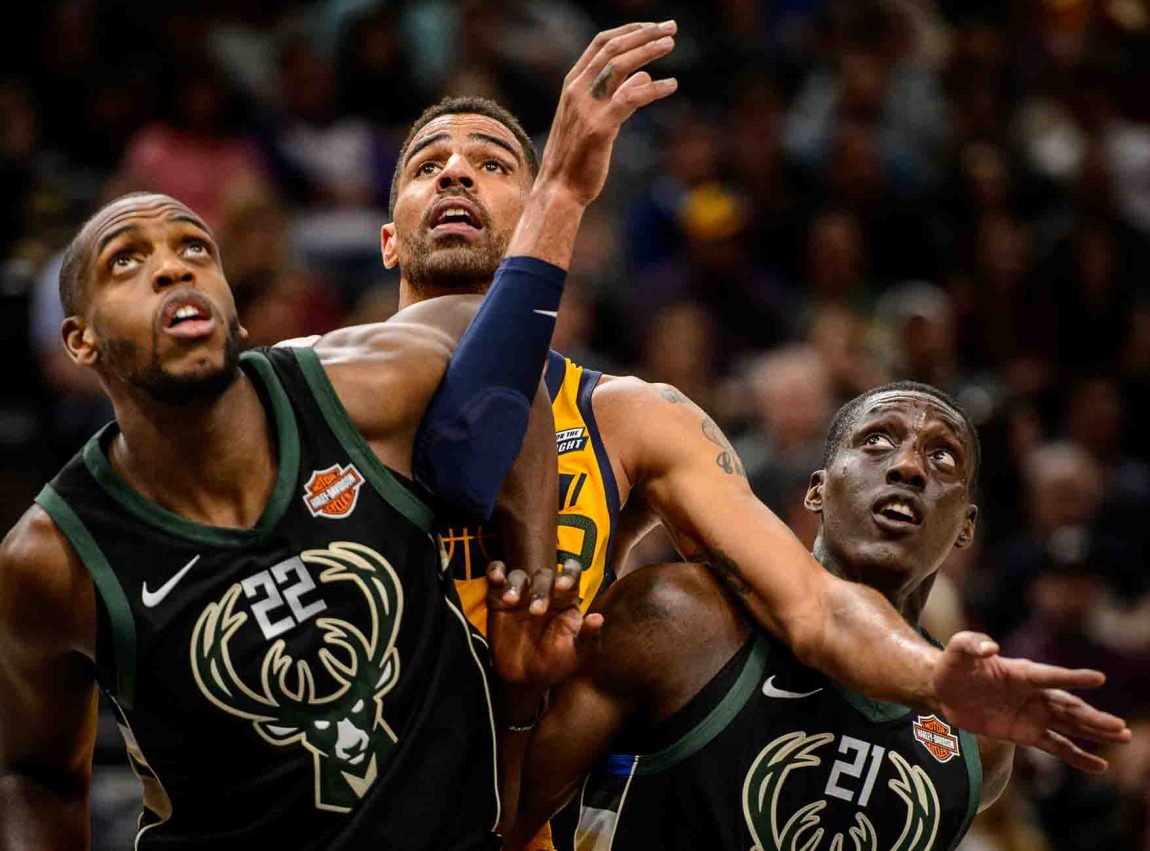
(309, 683)
(777, 757)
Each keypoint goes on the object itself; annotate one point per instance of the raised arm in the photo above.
(47, 690)
(689, 474)
(464, 437)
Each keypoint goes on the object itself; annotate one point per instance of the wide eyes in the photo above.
(879, 440)
(945, 459)
(126, 259)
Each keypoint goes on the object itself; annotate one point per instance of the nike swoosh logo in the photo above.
(154, 598)
(554, 314)
(770, 691)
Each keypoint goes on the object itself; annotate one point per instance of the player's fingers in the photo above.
(541, 584)
(496, 574)
(516, 586)
(567, 584)
(1073, 716)
(614, 48)
(636, 95)
(1059, 746)
(1052, 676)
(597, 44)
(590, 633)
(975, 644)
(608, 79)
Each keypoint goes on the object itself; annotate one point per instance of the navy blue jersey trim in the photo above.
(556, 372)
(586, 388)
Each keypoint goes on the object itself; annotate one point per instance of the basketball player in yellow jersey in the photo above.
(635, 454)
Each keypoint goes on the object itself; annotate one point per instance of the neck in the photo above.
(410, 294)
(908, 598)
(213, 463)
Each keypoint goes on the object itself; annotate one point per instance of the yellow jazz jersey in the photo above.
(588, 499)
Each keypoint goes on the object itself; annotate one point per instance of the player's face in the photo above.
(896, 499)
(160, 317)
(462, 188)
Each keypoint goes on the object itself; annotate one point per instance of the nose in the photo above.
(171, 270)
(907, 469)
(457, 172)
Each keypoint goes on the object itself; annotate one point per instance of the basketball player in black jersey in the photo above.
(240, 564)
(720, 739)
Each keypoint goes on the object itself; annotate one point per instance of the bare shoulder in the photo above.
(46, 596)
(672, 610)
(619, 395)
(654, 426)
(385, 373)
(433, 325)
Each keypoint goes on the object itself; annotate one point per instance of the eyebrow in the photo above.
(478, 137)
(887, 408)
(495, 140)
(191, 220)
(107, 238)
(423, 143)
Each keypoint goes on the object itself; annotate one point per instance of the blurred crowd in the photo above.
(843, 192)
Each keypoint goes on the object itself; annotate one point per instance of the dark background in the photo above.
(841, 193)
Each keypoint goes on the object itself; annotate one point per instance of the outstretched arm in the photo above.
(690, 475)
(47, 690)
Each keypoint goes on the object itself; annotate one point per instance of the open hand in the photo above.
(600, 92)
(1023, 701)
(535, 625)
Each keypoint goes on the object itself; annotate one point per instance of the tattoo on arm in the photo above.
(670, 394)
(727, 459)
(601, 82)
(725, 568)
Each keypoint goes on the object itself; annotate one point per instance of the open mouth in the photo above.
(456, 215)
(187, 316)
(897, 511)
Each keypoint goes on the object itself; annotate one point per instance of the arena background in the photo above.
(841, 193)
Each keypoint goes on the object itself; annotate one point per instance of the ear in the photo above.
(966, 535)
(814, 498)
(388, 247)
(80, 341)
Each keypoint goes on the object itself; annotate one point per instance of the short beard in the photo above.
(182, 391)
(454, 265)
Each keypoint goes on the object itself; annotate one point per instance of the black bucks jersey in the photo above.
(308, 683)
(781, 758)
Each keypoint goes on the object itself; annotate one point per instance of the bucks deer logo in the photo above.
(344, 729)
(803, 830)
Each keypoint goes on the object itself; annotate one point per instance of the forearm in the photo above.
(862, 642)
(517, 711)
(36, 815)
(474, 427)
(548, 226)
(525, 515)
(847, 630)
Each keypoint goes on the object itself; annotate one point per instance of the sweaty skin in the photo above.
(904, 446)
(143, 255)
(177, 395)
(672, 463)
